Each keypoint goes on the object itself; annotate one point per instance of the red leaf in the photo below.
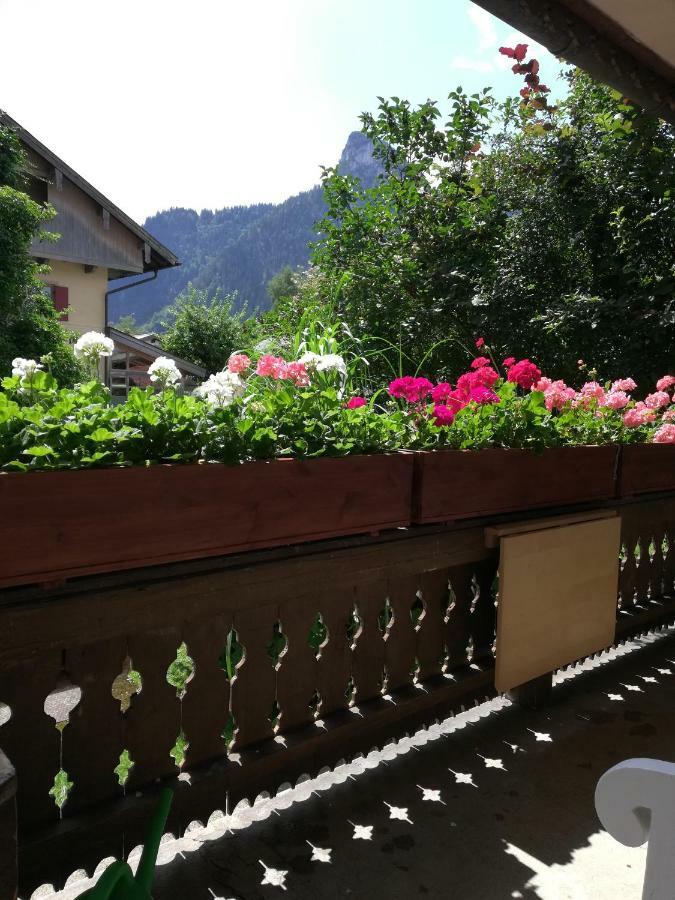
(508, 51)
(519, 69)
(543, 89)
(534, 66)
(520, 52)
(525, 92)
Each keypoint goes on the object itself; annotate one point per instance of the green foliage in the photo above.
(126, 323)
(283, 285)
(232, 656)
(550, 235)
(44, 427)
(406, 252)
(61, 788)
(179, 750)
(181, 671)
(29, 323)
(203, 330)
(124, 767)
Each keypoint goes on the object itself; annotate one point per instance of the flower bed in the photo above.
(61, 524)
(502, 438)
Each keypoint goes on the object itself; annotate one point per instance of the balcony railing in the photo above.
(229, 676)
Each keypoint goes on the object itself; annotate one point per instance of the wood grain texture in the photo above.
(557, 598)
(62, 524)
(646, 468)
(459, 484)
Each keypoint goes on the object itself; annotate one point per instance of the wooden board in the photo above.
(557, 598)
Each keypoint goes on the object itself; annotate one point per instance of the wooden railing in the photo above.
(226, 677)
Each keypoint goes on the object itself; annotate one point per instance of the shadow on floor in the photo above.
(507, 797)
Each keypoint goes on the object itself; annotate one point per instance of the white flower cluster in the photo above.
(222, 388)
(165, 372)
(25, 368)
(93, 345)
(324, 362)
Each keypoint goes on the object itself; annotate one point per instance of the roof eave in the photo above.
(160, 256)
(596, 45)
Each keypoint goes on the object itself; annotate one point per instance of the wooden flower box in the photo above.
(646, 469)
(60, 524)
(461, 484)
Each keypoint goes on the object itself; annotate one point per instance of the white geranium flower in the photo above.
(165, 372)
(92, 346)
(25, 368)
(310, 360)
(324, 362)
(331, 362)
(222, 388)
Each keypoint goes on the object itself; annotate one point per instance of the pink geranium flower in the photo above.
(639, 415)
(666, 382)
(524, 373)
(356, 403)
(543, 384)
(657, 400)
(479, 362)
(480, 342)
(440, 392)
(508, 362)
(297, 373)
(413, 390)
(238, 363)
(664, 435)
(443, 415)
(480, 394)
(616, 400)
(271, 366)
(557, 394)
(623, 384)
(668, 416)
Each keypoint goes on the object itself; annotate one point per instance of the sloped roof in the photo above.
(160, 256)
(629, 44)
(129, 342)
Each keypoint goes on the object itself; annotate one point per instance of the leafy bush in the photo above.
(29, 323)
(549, 228)
(308, 407)
(203, 329)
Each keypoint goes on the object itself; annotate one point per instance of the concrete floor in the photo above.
(495, 803)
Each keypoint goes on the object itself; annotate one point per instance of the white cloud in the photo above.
(485, 26)
(472, 64)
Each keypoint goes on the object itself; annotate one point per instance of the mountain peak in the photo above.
(357, 159)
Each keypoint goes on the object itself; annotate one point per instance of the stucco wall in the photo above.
(86, 294)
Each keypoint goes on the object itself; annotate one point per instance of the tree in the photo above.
(29, 324)
(126, 323)
(406, 252)
(549, 230)
(282, 285)
(204, 330)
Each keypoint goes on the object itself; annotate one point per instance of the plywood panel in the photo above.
(557, 598)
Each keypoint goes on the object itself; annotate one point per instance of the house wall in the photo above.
(86, 294)
(87, 234)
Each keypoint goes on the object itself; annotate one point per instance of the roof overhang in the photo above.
(129, 342)
(629, 44)
(156, 255)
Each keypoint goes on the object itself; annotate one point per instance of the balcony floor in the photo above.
(495, 803)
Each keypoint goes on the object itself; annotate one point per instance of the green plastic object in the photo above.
(118, 882)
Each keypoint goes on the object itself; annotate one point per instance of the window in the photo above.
(60, 300)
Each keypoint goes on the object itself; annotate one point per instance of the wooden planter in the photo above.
(55, 525)
(646, 468)
(461, 484)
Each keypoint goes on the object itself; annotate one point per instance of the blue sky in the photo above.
(213, 103)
